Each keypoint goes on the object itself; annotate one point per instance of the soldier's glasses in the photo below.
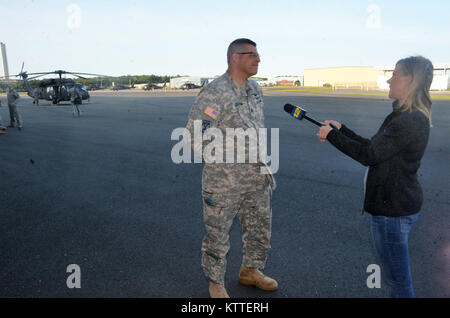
(252, 54)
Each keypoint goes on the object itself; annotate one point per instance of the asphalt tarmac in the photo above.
(102, 192)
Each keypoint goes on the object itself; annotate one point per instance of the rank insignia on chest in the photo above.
(211, 112)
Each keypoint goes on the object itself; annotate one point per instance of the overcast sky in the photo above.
(190, 37)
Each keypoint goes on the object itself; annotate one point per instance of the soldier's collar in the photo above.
(238, 90)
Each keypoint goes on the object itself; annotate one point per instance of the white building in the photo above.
(288, 80)
(281, 80)
(441, 77)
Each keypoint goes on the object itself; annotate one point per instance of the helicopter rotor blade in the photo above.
(78, 76)
(30, 78)
(24, 75)
(89, 74)
(40, 73)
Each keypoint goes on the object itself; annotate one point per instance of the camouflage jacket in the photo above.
(223, 104)
(12, 97)
(74, 93)
(36, 93)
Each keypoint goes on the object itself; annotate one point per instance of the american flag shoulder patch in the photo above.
(211, 112)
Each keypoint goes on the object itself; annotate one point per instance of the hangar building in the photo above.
(362, 77)
(441, 77)
(367, 77)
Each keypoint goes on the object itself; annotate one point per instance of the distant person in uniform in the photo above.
(75, 99)
(14, 115)
(393, 195)
(234, 189)
(2, 128)
(36, 94)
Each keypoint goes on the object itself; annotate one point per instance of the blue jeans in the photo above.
(390, 240)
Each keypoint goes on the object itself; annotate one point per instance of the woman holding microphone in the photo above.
(393, 195)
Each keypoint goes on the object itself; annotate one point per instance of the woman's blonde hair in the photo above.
(421, 70)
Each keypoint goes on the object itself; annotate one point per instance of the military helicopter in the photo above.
(117, 87)
(54, 89)
(188, 86)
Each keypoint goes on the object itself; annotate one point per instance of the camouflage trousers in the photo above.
(75, 108)
(14, 115)
(254, 210)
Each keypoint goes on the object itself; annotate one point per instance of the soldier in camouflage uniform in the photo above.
(12, 105)
(75, 100)
(230, 189)
(2, 129)
(36, 95)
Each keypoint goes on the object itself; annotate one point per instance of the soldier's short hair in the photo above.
(236, 45)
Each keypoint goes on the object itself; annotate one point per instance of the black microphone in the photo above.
(299, 113)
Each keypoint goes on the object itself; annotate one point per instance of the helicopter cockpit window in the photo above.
(80, 86)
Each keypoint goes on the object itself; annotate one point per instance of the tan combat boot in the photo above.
(252, 277)
(217, 291)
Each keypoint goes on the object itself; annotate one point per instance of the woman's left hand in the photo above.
(323, 132)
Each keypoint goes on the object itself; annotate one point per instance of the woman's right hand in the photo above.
(334, 123)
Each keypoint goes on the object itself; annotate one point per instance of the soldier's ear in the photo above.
(234, 58)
